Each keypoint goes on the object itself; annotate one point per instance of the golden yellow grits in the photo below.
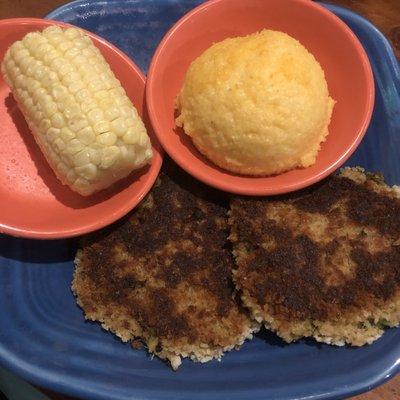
(256, 105)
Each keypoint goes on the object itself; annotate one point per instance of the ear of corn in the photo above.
(80, 116)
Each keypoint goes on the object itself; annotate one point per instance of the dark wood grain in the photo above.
(385, 14)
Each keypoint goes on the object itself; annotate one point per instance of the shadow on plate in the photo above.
(37, 251)
(273, 339)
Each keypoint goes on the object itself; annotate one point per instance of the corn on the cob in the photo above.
(80, 116)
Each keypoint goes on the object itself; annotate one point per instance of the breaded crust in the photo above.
(164, 275)
(322, 262)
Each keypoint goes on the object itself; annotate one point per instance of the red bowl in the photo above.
(33, 202)
(333, 44)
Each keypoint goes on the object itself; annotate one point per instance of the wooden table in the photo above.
(385, 14)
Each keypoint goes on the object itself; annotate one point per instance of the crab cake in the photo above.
(323, 262)
(164, 275)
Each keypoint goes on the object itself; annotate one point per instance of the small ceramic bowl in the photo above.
(33, 202)
(333, 44)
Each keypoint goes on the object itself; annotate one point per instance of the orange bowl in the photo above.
(333, 44)
(33, 202)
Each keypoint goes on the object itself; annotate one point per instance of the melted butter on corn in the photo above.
(80, 116)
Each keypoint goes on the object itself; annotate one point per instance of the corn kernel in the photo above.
(88, 171)
(54, 157)
(56, 39)
(95, 85)
(51, 30)
(109, 156)
(34, 88)
(65, 69)
(62, 169)
(78, 61)
(24, 64)
(119, 127)
(57, 120)
(80, 43)
(86, 135)
(82, 185)
(59, 144)
(52, 134)
(101, 94)
(106, 103)
(122, 101)
(77, 123)
(37, 117)
(15, 72)
(86, 70)
(42, 49)
(88, 52)
(19, 81)
(21, 54)
(39, 72)
(76, 86)
(49, 108)
(144, 140)
(92, 61)
(64, 46)
(101, 127)
(69, 78)
(66, 134)
(28, 102)
(107, 138)
(44, 125)
(29, 39)
(112, 113)
(58, 91)
(50, 79)
(71, 53)
(66, 101)
(83, 95)
(74, 146)
(72, 33)
(88, 105)
(95, 115)
(95, 156)
(71, 111)
(48, 57)
(126, 111)
(71, 176)
(81, 158)
(114, 92)
(131, 136)
(106, 77)
(16, 47)
(57, 63)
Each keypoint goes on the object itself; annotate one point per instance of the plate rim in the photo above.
(16, 365)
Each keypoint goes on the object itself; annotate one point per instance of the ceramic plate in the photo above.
(44, 338)
(33, 202)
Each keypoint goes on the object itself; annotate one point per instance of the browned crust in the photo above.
(164, 273)
(291, 250)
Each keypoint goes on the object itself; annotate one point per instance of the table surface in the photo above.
(385, 14)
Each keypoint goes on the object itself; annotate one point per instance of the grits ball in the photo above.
(256, 105)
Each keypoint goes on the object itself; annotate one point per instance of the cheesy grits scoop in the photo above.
(256, 105)
(80, 116)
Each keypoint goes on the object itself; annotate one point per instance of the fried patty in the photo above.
(323, 262)
(164, 275)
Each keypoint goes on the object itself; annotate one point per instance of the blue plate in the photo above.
(44, 338)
